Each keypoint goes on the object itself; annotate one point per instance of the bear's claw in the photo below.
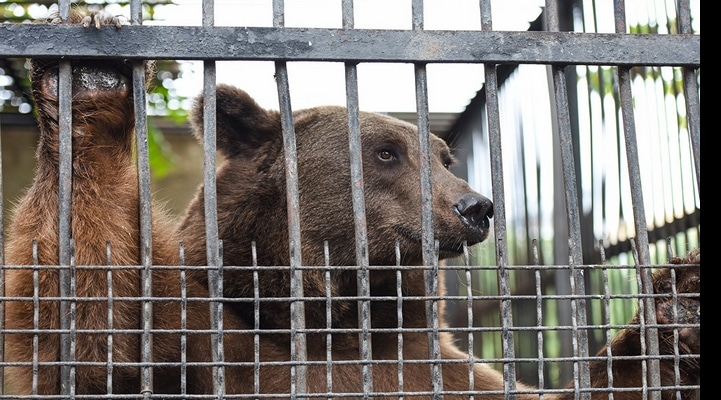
(98, 19)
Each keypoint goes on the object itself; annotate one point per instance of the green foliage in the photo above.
(162, 158)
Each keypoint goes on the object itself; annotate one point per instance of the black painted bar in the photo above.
(317, 44)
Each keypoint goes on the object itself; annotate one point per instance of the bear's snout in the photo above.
(474, 210)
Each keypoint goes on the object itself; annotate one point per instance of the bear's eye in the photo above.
(386, 155)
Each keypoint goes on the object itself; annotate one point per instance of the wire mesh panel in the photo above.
(331, 252)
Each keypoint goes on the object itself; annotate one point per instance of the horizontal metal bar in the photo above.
(359, 45)
(353, 267)
(229, 300)
(477, 329)
(446, 361)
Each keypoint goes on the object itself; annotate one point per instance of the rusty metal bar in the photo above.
(328, 319)
(357, 45)
(399, 314)
(298, 339)
(146, 219)
(691, 92)
(210, 204)
(256, 320)
(429, 244)
(469, 316)
(539, 314)
(361, 231)
(499, 213)
(298, 347)
(183, 321)
(36, 317)
(607, 319)
(582, 379)
(639, 213)
(65, 109)
(359, 211)
(430, 252)
(111, 308)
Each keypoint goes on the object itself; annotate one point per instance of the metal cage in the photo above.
(520, 316)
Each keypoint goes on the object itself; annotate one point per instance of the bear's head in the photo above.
(252, 201)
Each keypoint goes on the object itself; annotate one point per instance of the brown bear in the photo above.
(105, 209)
(253, 223)
(252, 214)
(682, 295)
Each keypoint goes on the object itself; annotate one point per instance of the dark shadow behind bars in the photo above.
(569, 274)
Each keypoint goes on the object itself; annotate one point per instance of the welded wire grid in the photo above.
(580, 50)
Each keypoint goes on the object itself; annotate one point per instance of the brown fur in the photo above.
(104, 208)
(252, 208)
(627, 373)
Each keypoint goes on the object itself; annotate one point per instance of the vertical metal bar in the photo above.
(36, 317)
(639, 213)
(220, 372)
(347, 14)
(578, 303)
(359, 212)
(278, 13)
(690, 92)
(499, 212)
(256, 320)
(297, 306)
(575, 337)
(215, 278)
(669, 249)
(607, 318)
(643, 324)
(428, 234)
(67, 369)
(146, 245)
(183, 321)
(109, 279)
(328, 321)
(361, 238)
(539, 314)
(399, 317)
(298, 371)
(72, 334)
(145, 227)
(469, 313)
(674, 307)
(676, 354)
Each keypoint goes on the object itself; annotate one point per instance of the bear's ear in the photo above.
(242, 125)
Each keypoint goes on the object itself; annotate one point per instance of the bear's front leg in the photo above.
(104, 209)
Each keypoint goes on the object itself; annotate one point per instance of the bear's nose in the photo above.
(474, 210)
